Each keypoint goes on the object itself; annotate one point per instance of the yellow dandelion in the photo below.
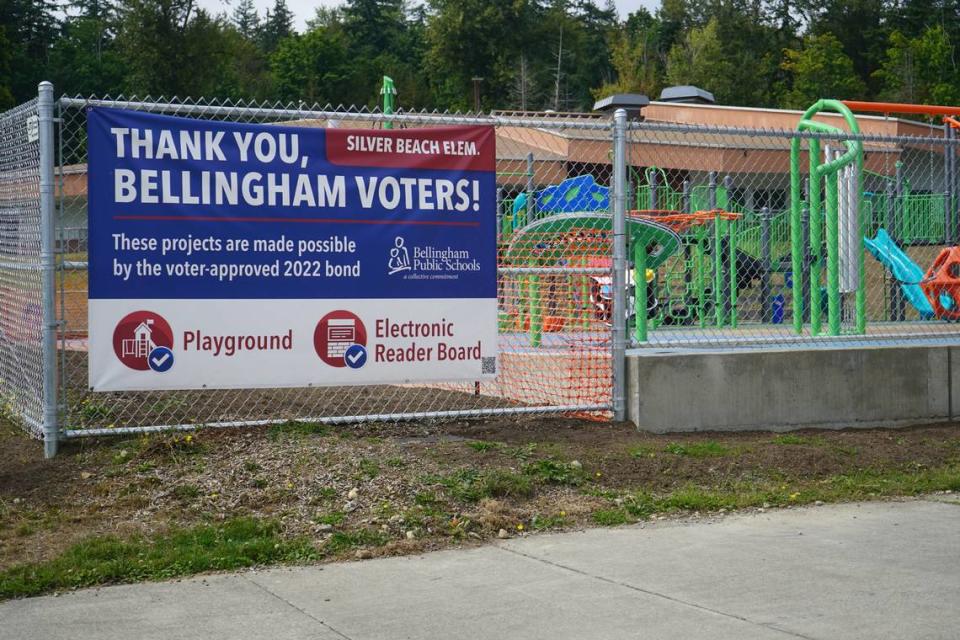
(189, 438)
(563, 514)
(520, 527)
(794, 496)
(599, 474)
(289, 485)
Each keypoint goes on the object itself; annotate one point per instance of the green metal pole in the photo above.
(816, 240)
(536, 317)
(796, 235)
(833, 253)
(388, 92)
(640, 290)
(717, 271)
(734, 225)
(701, 277)
(861, 268)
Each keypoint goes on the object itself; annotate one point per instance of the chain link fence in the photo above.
(611, 234)
(553, 289)
(21, 273)
(741, 278)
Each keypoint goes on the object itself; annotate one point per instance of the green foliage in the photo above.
(556, 54)
(921, 69)
(820, 69)
(346, 540)
(611, 517)
(335, 518)
(705, 449)
(551, 471)
(241, 542)
(468, 485)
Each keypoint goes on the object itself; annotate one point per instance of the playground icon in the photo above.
(399, 257)
(138, 335)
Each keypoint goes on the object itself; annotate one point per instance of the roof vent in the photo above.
(632, 102)
(687, 94)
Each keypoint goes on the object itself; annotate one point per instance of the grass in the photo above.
(792, 439)
(858, 485)
(469, 485)
(237, 543)
(335, 518)
(346, 540)
(707, 449)
(298, 429)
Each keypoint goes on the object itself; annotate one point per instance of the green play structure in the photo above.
(838, 214)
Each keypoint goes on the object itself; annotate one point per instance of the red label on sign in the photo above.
(139, 333)
(335, 333)
(451, 148)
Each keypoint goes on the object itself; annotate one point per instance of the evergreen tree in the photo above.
(246, 19)
(277, 25)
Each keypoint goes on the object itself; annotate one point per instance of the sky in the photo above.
(304, 9)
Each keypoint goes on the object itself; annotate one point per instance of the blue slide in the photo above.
(908, 272)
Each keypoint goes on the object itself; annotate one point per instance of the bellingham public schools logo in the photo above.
(399, 257)
(340, 339)
(143, 340)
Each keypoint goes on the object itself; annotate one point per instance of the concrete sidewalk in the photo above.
(876, 570)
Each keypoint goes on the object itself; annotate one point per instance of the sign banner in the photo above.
(230, 255)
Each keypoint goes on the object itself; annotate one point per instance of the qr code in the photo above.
(489, 365)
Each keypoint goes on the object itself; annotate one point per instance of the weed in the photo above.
(250, 466)
(425, 498)
(186, 492)
(335, 518)
(706, 449)
(610, 517)
(481, 446)
(396, 463)
(469, 485)
(547, 522)
(369, 469)
(298, 429)
(642, 451)
(326, 493)
(345, 540)
(555, 472)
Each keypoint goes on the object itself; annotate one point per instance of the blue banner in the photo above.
(196, 209)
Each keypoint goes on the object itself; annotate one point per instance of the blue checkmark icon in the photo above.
(160, 359)
(355, 356)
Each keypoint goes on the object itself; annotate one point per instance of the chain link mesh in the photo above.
(727, 193)
(21, 370)
(553, 291)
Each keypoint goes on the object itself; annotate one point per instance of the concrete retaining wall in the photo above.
(791, 389)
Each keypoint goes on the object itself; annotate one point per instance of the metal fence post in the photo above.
(619, 324)
(51, 428)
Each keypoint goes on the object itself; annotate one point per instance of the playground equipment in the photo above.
(907, 272)
(696, 286)
(841, 176)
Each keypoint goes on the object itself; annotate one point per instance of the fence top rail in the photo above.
(341, 113)
(19, 110)
(673, 127)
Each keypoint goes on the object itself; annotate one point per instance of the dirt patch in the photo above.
(377, 489)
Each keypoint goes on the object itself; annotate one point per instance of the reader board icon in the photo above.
(335, 333)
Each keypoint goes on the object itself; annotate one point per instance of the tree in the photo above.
(311, 67)
(699, 60)
(820, 70)
(635, 67)
(922, 69)
(30, 29)
(277, 25)
(6, 95)
(246, 19)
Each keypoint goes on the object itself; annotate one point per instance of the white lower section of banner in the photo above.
(223, 344)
